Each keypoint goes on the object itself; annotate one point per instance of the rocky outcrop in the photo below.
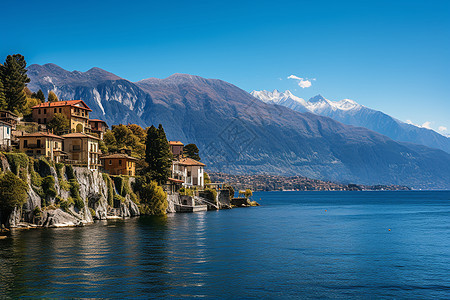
(61, 210)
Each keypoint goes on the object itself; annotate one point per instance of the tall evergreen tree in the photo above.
(14, 76)
(3, 103)
(40, 95)
(52, 97)
(158, 155)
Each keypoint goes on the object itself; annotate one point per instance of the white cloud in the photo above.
(302, 82)
(442, 128)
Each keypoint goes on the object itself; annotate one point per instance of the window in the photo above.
(60, 110)
(54, 110)
(45, 111)
(45, 120)
(7, 130)
(110, 162)
(39, 111)
(120, 162)
(25, 143)
(39, 121)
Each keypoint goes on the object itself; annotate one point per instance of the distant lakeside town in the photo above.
(267, 182)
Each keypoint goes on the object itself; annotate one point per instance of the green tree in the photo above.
(191, 150)
(3, 103)
(13, 192)
(39, 95)
(110, 141)
(59, 124)
(153, 199)
(13, 74)
(158, 155)
(52, 97)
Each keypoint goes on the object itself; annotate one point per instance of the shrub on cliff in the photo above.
(18, 162)
(48, 187)
(110, 189)
(13, 192)
(153, 198)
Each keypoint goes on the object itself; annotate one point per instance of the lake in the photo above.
(296, 245)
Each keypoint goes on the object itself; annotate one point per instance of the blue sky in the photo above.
(389, 55)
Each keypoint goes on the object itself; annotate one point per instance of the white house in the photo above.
(190, 171)
(5, 135)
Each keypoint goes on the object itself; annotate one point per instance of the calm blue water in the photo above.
(297, 245)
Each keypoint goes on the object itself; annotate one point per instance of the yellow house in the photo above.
(42, 144)
(82, 149)
(119, 164)
(76, 111)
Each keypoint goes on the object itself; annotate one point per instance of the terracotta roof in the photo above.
(79, 135)
(190, 162)
(176, 143)
(62, 103)
(118, 155)
(175, 180)
(41, 134)
(97, 120)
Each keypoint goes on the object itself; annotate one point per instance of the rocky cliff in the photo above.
(60, 195)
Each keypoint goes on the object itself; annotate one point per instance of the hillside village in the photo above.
(59, 167)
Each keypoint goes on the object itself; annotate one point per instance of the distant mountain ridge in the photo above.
(238, 134)
(351, 113)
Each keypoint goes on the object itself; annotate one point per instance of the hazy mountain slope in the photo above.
(351, 113)
(237, 133)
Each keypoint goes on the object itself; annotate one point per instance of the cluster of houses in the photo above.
(79, 146)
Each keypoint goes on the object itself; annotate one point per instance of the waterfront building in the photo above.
(42, 144)
(76, 111)
(82, 149)
(190, 171)
(98, 126)
(9, 118)
(119, 164)
(5, 135)
(177, 148)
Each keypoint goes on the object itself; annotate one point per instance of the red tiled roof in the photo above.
(41, 134)
(176, 143)
(118, 155)
(190, 162)
(79, 135)
(97, 120)
(62, 103)
(175, 180)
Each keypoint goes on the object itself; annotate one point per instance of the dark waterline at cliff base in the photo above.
(298, 244)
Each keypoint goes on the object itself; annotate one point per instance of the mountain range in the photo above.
(351, 113)
(239, 134)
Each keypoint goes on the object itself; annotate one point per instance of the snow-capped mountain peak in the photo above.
(286, 99)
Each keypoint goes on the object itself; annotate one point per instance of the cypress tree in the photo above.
(40, 95)
(2, 96)
(14, 76)
(158, 155)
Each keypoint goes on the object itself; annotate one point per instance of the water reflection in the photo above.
(287, 248)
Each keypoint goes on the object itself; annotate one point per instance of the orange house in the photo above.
(119, 164)
(76, 111)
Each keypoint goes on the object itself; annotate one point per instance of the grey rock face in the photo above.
(58, 218)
